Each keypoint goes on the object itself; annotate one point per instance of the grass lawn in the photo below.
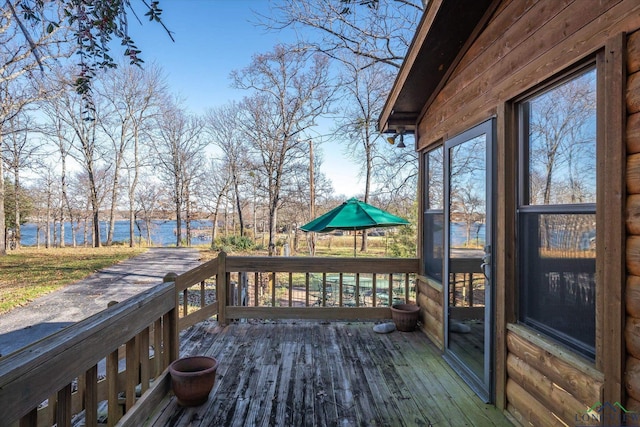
(327, 245)
(28, 273)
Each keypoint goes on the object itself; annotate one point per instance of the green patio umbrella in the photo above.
(353, 215)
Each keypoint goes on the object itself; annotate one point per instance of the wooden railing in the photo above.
(118, 358)
(81, 367)
(297, 288)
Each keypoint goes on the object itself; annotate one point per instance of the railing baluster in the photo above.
(306, 287)
(113, 407)
(324, 289)
(185, 302)
(52, 409)
(374, 290)
(145, 371)
(238, 296)
(273, 289)
(290, 289)
(91, 397)
(202, 294)
(166, 340)
(390, 289)
(132, 373)
(406, 287)
(341, 289)
(256, 286)
(357, 289)
(31, 419)
(157, 347)
(63, 410)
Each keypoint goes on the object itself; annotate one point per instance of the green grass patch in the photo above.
(28, 273)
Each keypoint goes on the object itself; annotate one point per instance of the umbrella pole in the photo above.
(355, 242)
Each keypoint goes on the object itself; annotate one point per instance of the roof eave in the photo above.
(433, 53)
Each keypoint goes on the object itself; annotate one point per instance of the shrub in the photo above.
(234, 243)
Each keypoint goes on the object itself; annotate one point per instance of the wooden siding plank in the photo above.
(633, 298)
(633, 93)
(528, 409)
(633, 52)
(554, 398)
(584, 41)
(633, 214)
(633, 133)
(575, 376)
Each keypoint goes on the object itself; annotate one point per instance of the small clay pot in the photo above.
(192, 379)
(405, 316)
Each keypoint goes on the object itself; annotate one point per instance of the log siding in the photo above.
(523, 46)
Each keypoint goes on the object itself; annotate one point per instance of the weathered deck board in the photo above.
(325, 374)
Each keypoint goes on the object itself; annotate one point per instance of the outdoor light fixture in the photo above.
(392, 139)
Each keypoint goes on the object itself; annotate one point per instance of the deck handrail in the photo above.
(63, 368)
(52, 367)
(226, 272)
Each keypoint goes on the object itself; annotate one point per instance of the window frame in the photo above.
(524, 206)
(429, 211)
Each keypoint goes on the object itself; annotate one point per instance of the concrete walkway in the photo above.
(57, 310)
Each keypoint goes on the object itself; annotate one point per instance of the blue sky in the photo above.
(212, 38)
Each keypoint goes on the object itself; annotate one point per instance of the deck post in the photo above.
(173, 317)
(221, 288)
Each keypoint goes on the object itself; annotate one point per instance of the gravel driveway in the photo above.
(57, 310)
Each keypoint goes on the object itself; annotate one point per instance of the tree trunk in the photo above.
(188, 218)
(47, 230)
(16, 191)
(132, 189)
(178, 224)
(240, 219)
(273, 229)
(3, 232)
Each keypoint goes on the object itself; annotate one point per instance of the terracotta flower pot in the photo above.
(405, 316)
(192, 379)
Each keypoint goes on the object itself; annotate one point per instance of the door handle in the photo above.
(486, 262)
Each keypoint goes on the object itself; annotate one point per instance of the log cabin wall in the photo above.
(430, 297)
(524, 44)
(632, 333)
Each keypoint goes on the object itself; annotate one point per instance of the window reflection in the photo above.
(562, 135)
(434, 215)
(559, 268)
(557, 223)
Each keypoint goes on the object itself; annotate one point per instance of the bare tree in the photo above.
(291, 91)
(147, 198)
(179, 148)
(365, 91)
(362, 34)
(224, 125)
(378, 31)
(19, 74)
(85, 149)
(21, 153)
(131, 98)
(217, 181)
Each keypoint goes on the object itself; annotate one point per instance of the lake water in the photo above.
(162, 233)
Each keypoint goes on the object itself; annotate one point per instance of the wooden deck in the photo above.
(293, 373)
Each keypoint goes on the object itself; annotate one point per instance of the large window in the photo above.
(434, 213)
(557, 211)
